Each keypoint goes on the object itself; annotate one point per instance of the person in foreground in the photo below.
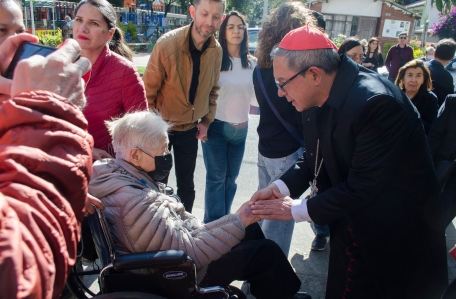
(370, 171)
(155, 221)
(45, 162)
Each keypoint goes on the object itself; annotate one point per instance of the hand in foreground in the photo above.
(265, 194)
(55, 73)
(7, 50)
(202, 132)
(273, 209)
(98, 154)
(245, 213)
(92, 201)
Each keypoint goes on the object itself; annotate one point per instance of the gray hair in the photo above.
(141, 129)
(326, 59)
(428, 49)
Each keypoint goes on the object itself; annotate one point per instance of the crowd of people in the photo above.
(375, 155)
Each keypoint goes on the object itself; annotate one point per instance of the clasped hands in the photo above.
(267, 203)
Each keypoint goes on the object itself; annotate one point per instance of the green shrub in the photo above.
(339, 39)
(131, 28)
(50, 38)
(417, 50)
(386, 48)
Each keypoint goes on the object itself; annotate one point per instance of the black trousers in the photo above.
(185, 148)
(260, 262)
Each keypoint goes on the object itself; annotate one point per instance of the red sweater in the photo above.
(114, 87)
(45, 168)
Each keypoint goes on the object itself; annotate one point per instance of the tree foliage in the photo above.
(444, 6)
(445, 27)
(252, 9)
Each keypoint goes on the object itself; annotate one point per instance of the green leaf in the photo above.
(439, 5)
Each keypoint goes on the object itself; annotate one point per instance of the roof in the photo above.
(403, 8)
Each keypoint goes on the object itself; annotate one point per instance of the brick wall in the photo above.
(391, 13)
(316, 6)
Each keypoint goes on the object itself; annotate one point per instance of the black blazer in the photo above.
(442, 81)
(426, 104)
(442, 135)
(381, 182)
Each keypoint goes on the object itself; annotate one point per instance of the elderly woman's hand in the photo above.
(245, 213)
(92, 201)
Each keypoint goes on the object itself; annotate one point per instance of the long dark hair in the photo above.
(377, 50)
(227, 64)
(281, 20)
(117, 42)
(349, 44)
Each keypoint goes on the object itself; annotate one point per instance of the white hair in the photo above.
(141, 129)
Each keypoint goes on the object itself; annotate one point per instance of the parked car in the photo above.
(253, 38)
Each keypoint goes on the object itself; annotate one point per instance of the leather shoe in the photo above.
(320, 242)
(301, 295)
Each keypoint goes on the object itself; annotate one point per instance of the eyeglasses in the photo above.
(403, 37)
(151, 155)
(232, 27)
(281, 87)
(355, 57)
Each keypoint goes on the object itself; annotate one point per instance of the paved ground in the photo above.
(310, 266)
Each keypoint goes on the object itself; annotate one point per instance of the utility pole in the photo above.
(425, 21)
(265, 10)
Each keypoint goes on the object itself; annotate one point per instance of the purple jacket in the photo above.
(393, 60)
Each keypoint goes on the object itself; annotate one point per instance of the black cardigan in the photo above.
(377, 63)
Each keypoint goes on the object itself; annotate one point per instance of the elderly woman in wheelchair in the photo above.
(141, 218)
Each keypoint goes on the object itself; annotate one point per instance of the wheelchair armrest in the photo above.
(148, 259)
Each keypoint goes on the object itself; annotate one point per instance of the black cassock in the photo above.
(377, 190)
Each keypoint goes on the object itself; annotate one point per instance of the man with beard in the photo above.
(181, 83)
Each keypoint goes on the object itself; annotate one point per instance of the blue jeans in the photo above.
(223, 152)
(320, 229)
(270, 170)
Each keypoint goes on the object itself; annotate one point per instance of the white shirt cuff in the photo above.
(299, 210)
(283, 189)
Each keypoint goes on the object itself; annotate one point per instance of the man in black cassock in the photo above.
(370, 172)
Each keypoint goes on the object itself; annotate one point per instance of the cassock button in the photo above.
(311, 154)
(308, 119)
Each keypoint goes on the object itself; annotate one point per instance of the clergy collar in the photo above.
(346, 75)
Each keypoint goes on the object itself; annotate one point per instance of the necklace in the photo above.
(313, 184)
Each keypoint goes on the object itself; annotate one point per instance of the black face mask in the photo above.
(163, 165)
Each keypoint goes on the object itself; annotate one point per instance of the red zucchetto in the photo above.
(306, 38)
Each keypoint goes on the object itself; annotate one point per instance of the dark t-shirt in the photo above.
(196, 58)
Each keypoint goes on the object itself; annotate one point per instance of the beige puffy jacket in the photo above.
(142, 219)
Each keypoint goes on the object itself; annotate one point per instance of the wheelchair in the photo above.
(172, 273)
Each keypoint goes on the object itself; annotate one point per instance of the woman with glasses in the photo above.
(353, 48)
(278, 149)
(224, 149)
(414, 78)
(374, 58)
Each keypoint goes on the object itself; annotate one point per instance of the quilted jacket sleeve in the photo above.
(133, 93)
(152, 222)
(45, 166)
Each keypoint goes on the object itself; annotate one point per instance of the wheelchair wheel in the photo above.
(128, 295)
(236, 293)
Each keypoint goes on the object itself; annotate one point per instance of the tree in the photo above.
(445, 27)
(444, 6)
(168, 4)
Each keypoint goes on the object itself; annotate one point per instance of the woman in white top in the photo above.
(224, 149)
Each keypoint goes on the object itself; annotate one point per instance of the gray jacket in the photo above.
(142, 219)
